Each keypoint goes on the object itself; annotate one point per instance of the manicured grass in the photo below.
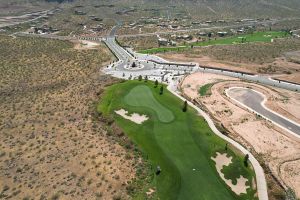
(146, 99)
(254, 37)
(182, 147)
(205, 89)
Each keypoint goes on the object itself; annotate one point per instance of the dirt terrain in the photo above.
(279, 59)
(266, 68)
(84, 45)
(53, 143)
(276, 148)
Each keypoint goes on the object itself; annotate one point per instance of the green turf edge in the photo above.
(105, 106)
(205, 89)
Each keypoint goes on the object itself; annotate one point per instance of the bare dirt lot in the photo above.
(84, 44)
(277, 149)
(52, 143)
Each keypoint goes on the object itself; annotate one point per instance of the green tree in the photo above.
(185, 105)
(155, 83)
(246, 160)
(161, 91)
(140, 78)
(290, 194)
(133, 65)
(146, 78)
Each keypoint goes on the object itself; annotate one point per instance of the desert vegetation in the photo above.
(270, 58)
(53, 145)
(250, 53)
(139, 43)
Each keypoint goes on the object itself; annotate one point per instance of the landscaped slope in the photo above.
(181, 143)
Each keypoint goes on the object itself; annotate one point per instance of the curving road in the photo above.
(156, 68)
(255, 101)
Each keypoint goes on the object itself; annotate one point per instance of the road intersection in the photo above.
(156, 68)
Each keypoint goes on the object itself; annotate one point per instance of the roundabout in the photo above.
(134, 65)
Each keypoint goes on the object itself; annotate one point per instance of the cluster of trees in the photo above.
(133, 65)
(161, 90)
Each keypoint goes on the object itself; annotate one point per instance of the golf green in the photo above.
(181, 143)
(146, 99)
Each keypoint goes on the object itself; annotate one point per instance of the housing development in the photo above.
(150, 99)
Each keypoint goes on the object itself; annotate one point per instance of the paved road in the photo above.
(266, 80)
(255, 101)
(152, 69)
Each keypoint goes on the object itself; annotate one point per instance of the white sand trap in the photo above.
(135, 117)
(221, 161)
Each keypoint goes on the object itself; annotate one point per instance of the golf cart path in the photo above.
(122, 55)
(259, 172)
(255, 102)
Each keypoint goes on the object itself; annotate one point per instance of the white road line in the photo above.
(264, 106)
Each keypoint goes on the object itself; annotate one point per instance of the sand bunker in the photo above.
(221, 161)
(136, 118)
